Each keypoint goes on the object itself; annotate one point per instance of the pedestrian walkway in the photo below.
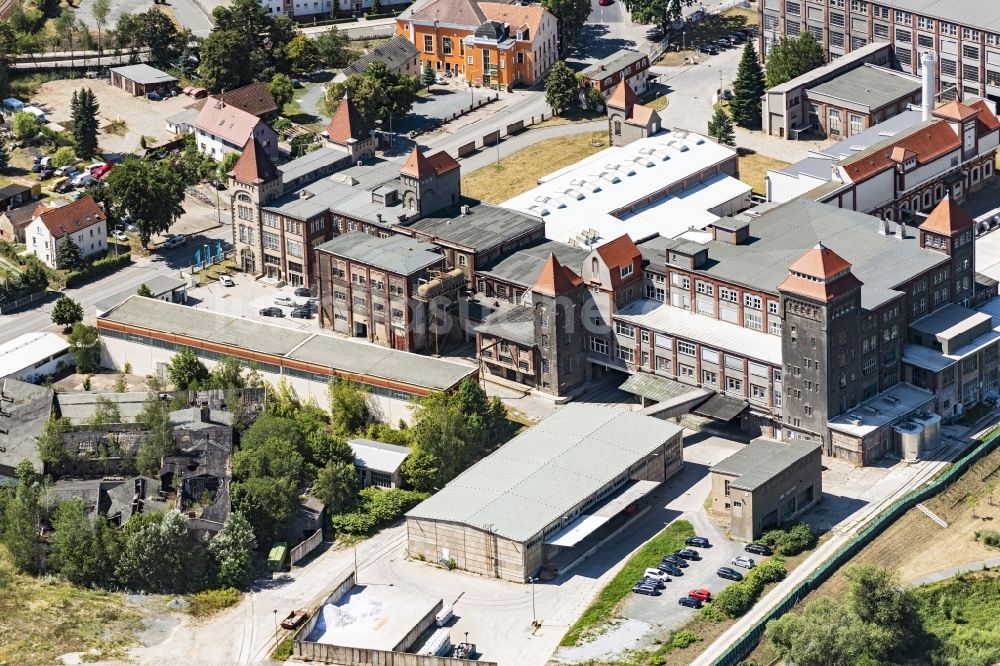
(950, 572)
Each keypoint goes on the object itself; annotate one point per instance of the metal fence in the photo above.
(746, 643)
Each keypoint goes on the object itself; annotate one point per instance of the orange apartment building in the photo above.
(487, 43)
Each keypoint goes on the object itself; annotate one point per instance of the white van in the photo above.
(444, 615)
(83, 180)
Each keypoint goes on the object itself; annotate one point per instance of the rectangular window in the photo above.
(837, 19)
(728, 295)
(970, 72)
(270, 240)
(734, 363)
(599, 345)
(925, 41)
(709, 355)
(734, 385)
(685, 348)
(703, 287)
(446, 45)
(948, 67)
(903, 35)
(758, 393)
(626, 271)
(685, 370)
(428, 44)
(624, 330)
(664, 342)
(626, 354)
(905, 57)
(882, 30)
(753, 320)
(293, 248)
(709, 377)
(751, 301)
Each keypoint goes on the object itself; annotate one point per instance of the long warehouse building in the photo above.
(549, 495)
(146, 333)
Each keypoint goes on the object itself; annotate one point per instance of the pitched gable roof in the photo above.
(442, 162)
(457, 12)
(954, 111)
(947, 218)
(255, 99)
(820, 262)
(80, 214)
(623, 97)
(622, 251)
(347, 125)
(928, 141)
(396, 54)
(227, 122)
(417, 165)
(556, 279)
(986, 121)
(821, 274)
(518, 16)
(642, 115)
(254, 166)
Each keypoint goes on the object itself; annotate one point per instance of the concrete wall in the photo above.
(426, 622)
(473, 549)
(306, 547)
(346, 656)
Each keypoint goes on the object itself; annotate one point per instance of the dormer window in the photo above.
(626, 271)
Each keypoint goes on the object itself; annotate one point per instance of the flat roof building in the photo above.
(26, 410)
(31, 356)
(548, 495)
(765, 484)
(141, 79)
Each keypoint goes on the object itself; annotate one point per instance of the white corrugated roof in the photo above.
(378, 456)
(26, 350)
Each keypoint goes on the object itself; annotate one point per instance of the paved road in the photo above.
(950, 572)
(158, 263)
(193, 14)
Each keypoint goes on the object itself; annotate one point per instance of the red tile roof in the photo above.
(254, 166)
(928, 142)
(347, 124)
(442, 162)
(820, 262)
(822, 265)
(80, 214)
(619, 252)
(623, 97)
(417, 165)
(954, 111)
(556, 279)
(947, 218)
(227, 122)
(986, 121)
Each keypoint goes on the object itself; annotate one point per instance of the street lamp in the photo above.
(498, 144)
(534, 620)
(275, 624)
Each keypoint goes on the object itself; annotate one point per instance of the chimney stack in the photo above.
(901, 229)
(883, 227)
(206, 414)
(927, 79)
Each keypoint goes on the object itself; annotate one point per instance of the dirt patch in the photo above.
(142, 117)
(753, 169)
(712, 28)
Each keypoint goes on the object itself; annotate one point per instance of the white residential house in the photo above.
(222, 128)
(82, 220)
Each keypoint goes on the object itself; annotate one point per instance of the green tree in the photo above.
(4, 157)
(421, 470)
(84, 108)
(349, 410)
(720, 127)
(66, 311)
(427, 76)
(304, 55)
(572, 15)
(85, 346)
(64, 156)
(561, 90)
(377, 93)
(747, 89)
(100, 9)
(20, 527)
(232, 551)
(227, 374)
(660, 12)
(225, 63)
(144, 291)
(281, 90)
(74, 548)
(273, 427)
(791, 57)
(155, 552)
(151, 192)
(185, 370)
(25, 125)
(336, 486)
(52, 440)
(106, 412)
(227, 164)
(333, 46)
(267, 476)
(159, 34)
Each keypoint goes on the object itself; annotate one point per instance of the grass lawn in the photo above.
(962, 614)
(714, 27)
(520, 172)
(210, 602)
(753, 168)
(43, 618)
(601, 610)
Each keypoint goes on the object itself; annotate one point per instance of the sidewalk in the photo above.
(383, 27)
(944, 574)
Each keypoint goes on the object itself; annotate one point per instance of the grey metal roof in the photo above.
(324, 350)
(378, 456)
(24, 418)
(483, 228)
(158, 284)
(548, 470)
(660, 389)
(784, 233)
(832, 66)
(522, 267)
(395, 53)
(869, 86)
(763, 459)
(80, 407)
(983, 14)
(348, 191)
(950, 319)
(143, 74)
(874, 134)
(516, 324)
(817, 167)
(613, 64)
(397, 254)
(309, 163)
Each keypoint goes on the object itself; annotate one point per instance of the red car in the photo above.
(604, 3)
(700, 594)
(100, 170)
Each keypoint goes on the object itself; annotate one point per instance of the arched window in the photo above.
(618, 128)
(593, 267)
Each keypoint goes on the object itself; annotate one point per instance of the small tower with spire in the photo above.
(349, 131)
(557, 298)
(253, 182)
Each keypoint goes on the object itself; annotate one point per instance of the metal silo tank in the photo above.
(909, 440)
(932, 430)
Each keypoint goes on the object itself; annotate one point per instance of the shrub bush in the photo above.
(790, 540)
(683, 638)
(770, 571)
(735, 600)
(101, 267)
(989, 537)
(712, 614)
(377, 508)
(210, 602)
(739, 597)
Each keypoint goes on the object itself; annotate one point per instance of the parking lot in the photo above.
(246, 298)
(142, 116)
(443, 102)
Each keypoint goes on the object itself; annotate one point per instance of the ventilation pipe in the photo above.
(927, 78)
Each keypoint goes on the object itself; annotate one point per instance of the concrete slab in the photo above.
(371, 616)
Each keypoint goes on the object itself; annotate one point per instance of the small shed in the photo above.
(140, 80)
(378, 463)
(14, 195)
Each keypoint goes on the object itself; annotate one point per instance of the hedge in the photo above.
(377, 508)
(99, 268)
(740, 597)
(791, 539)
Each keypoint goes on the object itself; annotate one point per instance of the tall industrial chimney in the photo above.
(927, 74)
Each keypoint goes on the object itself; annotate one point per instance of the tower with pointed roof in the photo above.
(821, 304)
(949, 230)
(349, 131)
(430, 182)
(557, 298)
(254, 181)
(628, 120)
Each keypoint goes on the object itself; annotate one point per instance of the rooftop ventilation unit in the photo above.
(678, 146)
(610, 177)
(855, 419)
(570, 192)
(682, 134)
(621, 168)
(892, 400)
(871, 410)
(585, 185)
(539, 210)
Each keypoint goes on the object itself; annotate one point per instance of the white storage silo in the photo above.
(932, 430)
(909, 440)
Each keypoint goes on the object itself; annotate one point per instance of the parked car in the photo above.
(36, 167)
(656, 573)
(745, 562)
(218, 185)
(439, 79)
(722, 43)
(645, 588)
(676, 561)
(710, 49)
(62, 185)
(698, 541)
(731, 574)
(271, 312)
(737, 38)
(226, 281)
(285, 301)
(46, 172)
(82, 180)
(67, 170)
(758, 549)
(120, 235)
(666, 567)
(727, 94)
(302, 291)
(605, 3)
(687, 554)
(153, 96)
(301, 313)
(658, 582)
(100, 170)
(174, 241)
(654, 35)
(690, 602)
(701, 594)
(296, 83)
